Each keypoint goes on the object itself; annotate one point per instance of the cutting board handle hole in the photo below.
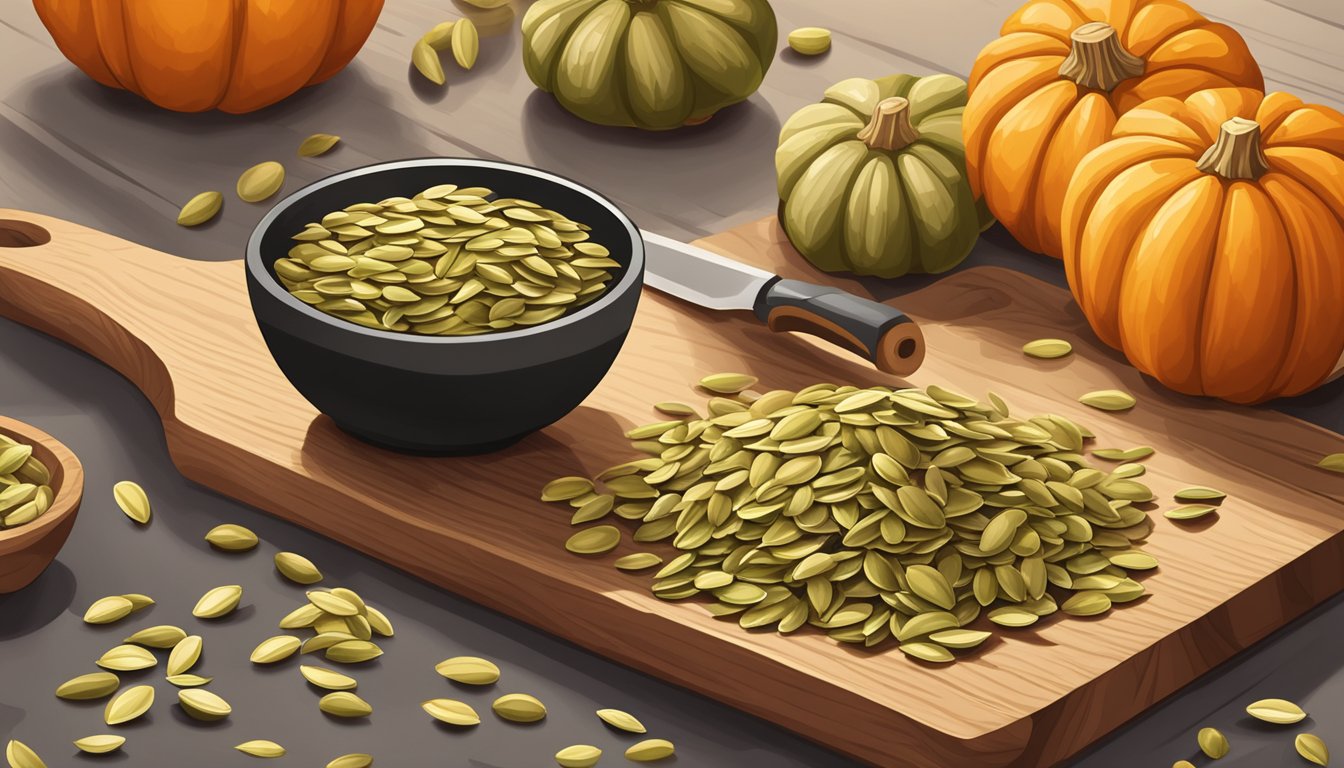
(22, 234)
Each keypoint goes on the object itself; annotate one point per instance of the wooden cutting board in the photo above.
(182, 332)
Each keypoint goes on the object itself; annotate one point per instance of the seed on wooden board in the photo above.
(127, 658)
(327, 678)
(469, 670)
(318, 144)
(566, 488)
(106, 610)
(162, 636)
(200, 209)
(261, 181)
(1213, 743)
(344, 704)
(20, 755)
(1312, 748)
(133, 501)
(203, 705)
(728, 383)
(621, 720)
(1047, 349)
(100, 744)
(129, 704)
(638, 561)
(451, 711)
(231, 538)
(185, 655)
(594, 541)
(1108, 400)
(519, 708)
(1280, 711)
(1334, 462)
(261, 748)
(426, 61)
(578, 756)
(188, 680)
(218, 602)
(297, 568)
(1200, 493)
(352, 760)
(649, 750)
(810, 41)
(94, 685)
(1123, 454)
(466, 43)
(1189, 511)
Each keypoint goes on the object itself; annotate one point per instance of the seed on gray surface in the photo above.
(1312, 748)
(231, 538)
(138, 601)
(649, 750)
(200, 209)
(451, 711)
(318, 144)
(439, 37)
(162, 636)
(466, 43)
(519, 708)
(261, 181)
(20, 755)
(426, 61)
(100, 744)
(353, 652)
(578, 756)
(133, 501)
(188, 680)
(129, 704)
(218, 602)
(94, 685)
(1280, 711)
(332, 603)
(1213, 743)
(204, 705)
(327, 678)
(470, 670)
(275, 649)
(622, 720)
(297, 568)
(107, 610)
(344, 704)
(379, 622)
(261, 748)
(127, 658)
(810, 41)
(185, 655)
(352, 760)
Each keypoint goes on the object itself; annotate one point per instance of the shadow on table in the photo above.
(37, 604)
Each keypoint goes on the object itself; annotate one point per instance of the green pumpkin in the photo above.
(652, 64)
(873, 179)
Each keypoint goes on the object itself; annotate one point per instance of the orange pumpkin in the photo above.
(196, 55)
(1049, 91)
(1206, 241)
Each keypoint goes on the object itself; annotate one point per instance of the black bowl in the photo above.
(455, 394)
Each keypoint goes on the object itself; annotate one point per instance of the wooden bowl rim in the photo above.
(67, 480)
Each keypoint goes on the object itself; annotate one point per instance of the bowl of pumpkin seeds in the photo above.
(444, 305)
(41, 484)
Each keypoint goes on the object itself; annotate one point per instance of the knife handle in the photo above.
(885, 335)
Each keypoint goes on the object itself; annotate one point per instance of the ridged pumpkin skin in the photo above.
(651, 64)
(1212, 252)
(197, 55)
(1051, 88)
(873, 179)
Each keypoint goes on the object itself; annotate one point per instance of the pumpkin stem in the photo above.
(1097, 60)
(890, 128)
(1237, 153)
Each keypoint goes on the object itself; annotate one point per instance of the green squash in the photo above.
(873, 179)
(652, 64)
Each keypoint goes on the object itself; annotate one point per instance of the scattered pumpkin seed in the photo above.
(1280, 711)
(1213, 743)
(1127, 454)
(379, 623)
(162, 636)
(133, 501)
(1334, 462)
(1189, 511)
(353, 652)
(519, 708)
(344, 704)
(594, 541)
(566, 488)
(188, 680)
(451, 711)
(622, 720)
(1108, 400)
(200, 209)
(440, 38)
(1200, 493)
(638, 561)
(578, 756)
(469, 670)
(95, 685)
(20, 755)
(231, 538)
(1182, 764)
(100, 744)
(128, 705)
(352, 760)
(426, 60)
(203, 705)
(261, 748)
(185, 655)
(810, 41)
(326, 678)
(1047, 349)
(138, 601)
(261, 181)
(127, 658)
(649, 750)
(275, 649)
(218, 602)
(1312, 748)
(318, 144)
(466, 43)
(297, 568)
(728, 383)
(107, 610)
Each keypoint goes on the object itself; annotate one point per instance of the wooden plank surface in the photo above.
(474, 526)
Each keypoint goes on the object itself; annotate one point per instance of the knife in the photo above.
(883, 334)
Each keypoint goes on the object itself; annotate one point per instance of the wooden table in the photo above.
(72, 149)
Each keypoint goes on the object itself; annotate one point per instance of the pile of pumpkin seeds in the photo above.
(25, 490)
(448, 262)
(460, 37)
(871, 513)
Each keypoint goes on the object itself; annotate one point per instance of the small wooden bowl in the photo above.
(26, 551)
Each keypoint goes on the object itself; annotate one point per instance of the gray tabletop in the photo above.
(70, 148)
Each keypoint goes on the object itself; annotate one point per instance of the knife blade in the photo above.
(884, 335)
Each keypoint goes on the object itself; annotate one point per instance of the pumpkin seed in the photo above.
(638, 561)
(138, 601)
(451, 711)
(578, 756)
(19, 755)
(1334, 462)
(332, 603)
(203, 705)
(594, 541)
(466, 43)
(128, 705)
(185, 655)
(622, 720)
(261, 181)
(959, 638)
(1126, 454)
(200, 209)
(469, 670)
(1280, 711)
(1047, 349)
(231, 538)
(1108, 400)
(426, 60)
(439, 38)
(352, 760)
(297, 568)
(649, 750)
(261, 748)
(318, 144)
(1182, 764)
(1200, 493)
(728, 383)
(100, 744)
(519, 708)
(188, 681)
(353, 652)
(107, 610)
(1087, 603)
(810, 41)
(133, 501)
(1213, 743)
(1189, 511)
(379, 623)
(218, 602)
(127, 658)
(276, 649)
(326, 678)
(162, 636)
(95, 685)
(1312, 748)
(566, 488)
(344, 704)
